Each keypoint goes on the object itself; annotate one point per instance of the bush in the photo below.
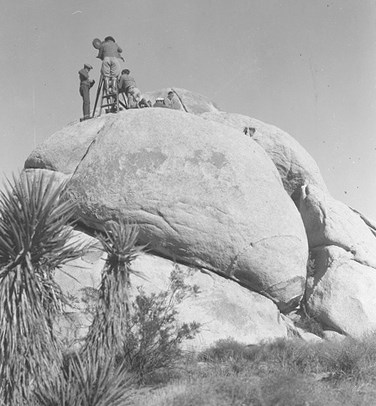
(143, 334)
(350, 360)
(153, 338)
(225, 350)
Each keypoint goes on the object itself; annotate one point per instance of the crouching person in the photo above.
(128, 86)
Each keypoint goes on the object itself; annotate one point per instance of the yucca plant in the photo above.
(86, 382)
(34, 241)
(110, 320)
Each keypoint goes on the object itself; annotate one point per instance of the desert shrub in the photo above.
(288, 354)
(143, 334)
(350, 360)
(308, 322)
(34, 241)
(311, 265)
(153, 339)
(224, 350)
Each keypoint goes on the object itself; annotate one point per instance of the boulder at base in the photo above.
(201, 194)
(341, 293)
(330, 222)
(295, 165)
(222, 307)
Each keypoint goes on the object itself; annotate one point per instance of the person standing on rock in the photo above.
(109, 52)
(85, 85)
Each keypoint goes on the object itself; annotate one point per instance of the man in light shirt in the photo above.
(171, 101)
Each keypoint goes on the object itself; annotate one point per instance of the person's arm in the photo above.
(119, 52)
(120, 85)
(100, 53)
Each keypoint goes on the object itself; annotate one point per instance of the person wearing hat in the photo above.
(85, 85)
(109, 53)
(171, 102)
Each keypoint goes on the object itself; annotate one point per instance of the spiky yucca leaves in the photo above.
(89, 382)
(33, 242)
(109, 325)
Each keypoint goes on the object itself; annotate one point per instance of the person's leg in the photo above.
(137, 95)
(105, 70)
(115, 67)
(86, 100)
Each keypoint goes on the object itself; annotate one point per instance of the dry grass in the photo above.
(285, 373)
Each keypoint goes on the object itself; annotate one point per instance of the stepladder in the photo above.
(108, 97)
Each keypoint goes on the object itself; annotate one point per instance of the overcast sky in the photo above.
(306, 66)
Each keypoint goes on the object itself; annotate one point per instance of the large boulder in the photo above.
(341, 289)
(341, 292)
(190, 102)
(201, 194)
(222, 307)
(330, 222)
(295, 165)
(63, 151)
(371, 224)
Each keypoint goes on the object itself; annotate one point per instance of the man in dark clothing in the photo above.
(85, 85)
(128, 86)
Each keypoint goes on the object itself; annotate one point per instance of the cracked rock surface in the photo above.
(203, 194)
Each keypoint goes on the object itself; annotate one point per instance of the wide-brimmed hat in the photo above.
(86, 65)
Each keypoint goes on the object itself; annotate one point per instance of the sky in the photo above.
(305, 66)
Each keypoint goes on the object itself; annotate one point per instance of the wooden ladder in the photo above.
(108, 96)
